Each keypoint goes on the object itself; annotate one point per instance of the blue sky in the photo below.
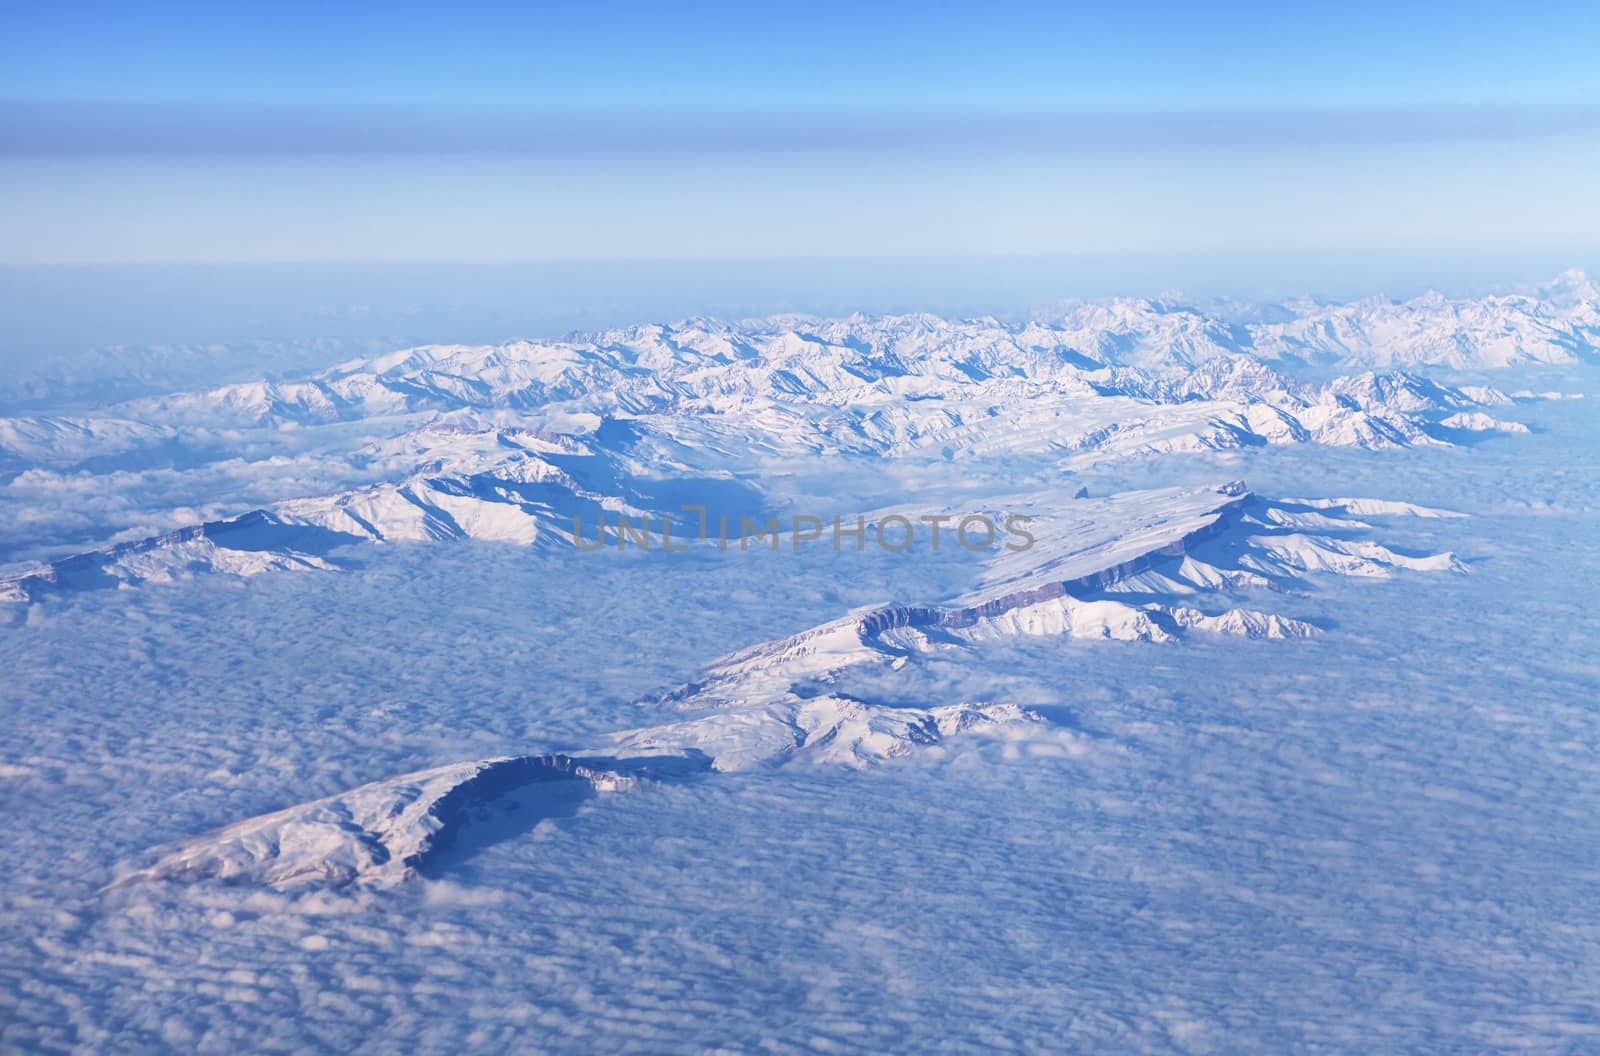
(1137, 55)
(288, 131)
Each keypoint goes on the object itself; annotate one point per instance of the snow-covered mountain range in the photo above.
(506, 442)
(1116, 573)
(1558, 323)
(884, 418)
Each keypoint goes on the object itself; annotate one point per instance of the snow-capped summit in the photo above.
(1434, 330)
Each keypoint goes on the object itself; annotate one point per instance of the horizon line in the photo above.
(114, 128)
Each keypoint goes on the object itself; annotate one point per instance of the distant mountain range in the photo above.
(511, 442)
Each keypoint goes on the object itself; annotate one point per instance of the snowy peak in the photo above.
(1559, 323)
(522, 486)
(48, 440)
(248, 545)
(1117, 574)
(383, 832)
(1433, 330)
